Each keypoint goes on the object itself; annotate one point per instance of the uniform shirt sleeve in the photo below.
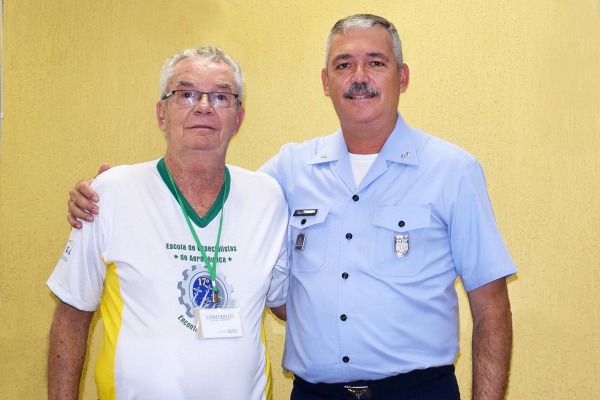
(479, 252)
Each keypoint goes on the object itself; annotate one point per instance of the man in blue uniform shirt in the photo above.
(384, 218)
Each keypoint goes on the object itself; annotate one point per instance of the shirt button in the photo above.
(343, 317)
(345, 275)
(401, 224)
(345, 359)
(303, 221)
(348, 236)
(355, 197)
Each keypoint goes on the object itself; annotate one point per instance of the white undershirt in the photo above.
(360, 165)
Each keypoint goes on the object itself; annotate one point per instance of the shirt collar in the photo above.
(202, 222)
(332, 148)
(399, 147)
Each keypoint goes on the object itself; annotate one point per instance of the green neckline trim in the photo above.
(216, 207)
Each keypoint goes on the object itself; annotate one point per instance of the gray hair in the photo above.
(209, 53)
(365, 21)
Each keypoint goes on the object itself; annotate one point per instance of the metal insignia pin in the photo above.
(402, 245)
(300, 241)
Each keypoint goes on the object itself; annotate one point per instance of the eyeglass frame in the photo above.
(172, 92)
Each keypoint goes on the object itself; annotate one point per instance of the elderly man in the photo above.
(384, 218)
(181, 283)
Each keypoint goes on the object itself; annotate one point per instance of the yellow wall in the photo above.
(516, 83)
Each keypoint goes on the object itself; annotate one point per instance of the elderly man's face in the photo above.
(201, 128)
(363, 79)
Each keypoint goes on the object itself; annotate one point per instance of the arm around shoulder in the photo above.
(68, 346)
(82, 199)
(280, 312)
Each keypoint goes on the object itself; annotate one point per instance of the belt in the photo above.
(374, 389)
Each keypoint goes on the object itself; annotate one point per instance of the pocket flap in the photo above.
(402, 219)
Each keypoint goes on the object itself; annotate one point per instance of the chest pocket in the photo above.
(308, 238)
(400, 240)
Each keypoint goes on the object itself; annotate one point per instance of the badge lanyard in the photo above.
(212, 268)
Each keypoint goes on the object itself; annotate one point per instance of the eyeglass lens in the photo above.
(191, 98)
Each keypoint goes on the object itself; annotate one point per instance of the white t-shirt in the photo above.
(139, 262)
(360, 165)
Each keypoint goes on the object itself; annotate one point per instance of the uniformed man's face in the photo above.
(202, 127)
(362, 76)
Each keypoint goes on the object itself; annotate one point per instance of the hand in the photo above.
(82, 199)
(280, 312)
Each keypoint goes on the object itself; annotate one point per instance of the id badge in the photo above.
(221, 323)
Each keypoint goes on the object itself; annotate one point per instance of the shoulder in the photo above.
(253, 180)
(295, 154)
(429, 143)
(437, 152)
(309, 147)
(125, 175)
(258, 191)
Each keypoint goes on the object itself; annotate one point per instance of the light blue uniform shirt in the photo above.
(359, 305)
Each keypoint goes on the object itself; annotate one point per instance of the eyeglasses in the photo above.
(191, 98)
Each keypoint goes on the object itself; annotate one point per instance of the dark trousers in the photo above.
(438, 383)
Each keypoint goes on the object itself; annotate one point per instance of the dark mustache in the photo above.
(362, 88)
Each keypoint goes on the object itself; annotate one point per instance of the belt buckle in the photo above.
(357, 392)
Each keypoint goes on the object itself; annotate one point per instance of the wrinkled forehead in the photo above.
(201, 73)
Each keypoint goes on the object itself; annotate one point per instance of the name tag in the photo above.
(310, 212)
(215, 323)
